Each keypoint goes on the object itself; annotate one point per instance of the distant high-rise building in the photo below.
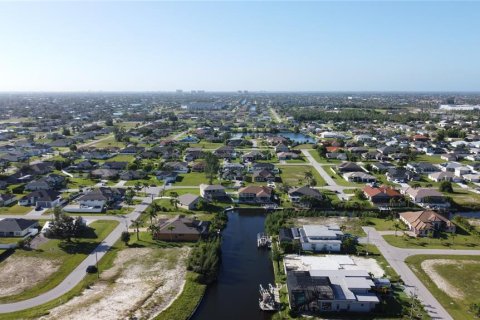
(451, 100)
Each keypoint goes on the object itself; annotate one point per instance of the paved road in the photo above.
(396, 258)
(275, 115)
(79, 272)
(332, 185)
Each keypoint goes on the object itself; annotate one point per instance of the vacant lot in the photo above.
(141, 283)
(352, 225)
(295, 175)
(15, 209)
(461, 240)
(56, 260)
(453, 280)
(20, 273)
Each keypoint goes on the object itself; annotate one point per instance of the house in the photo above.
(97, 200)
(318, 238)
(281, 148)
(257, 194)
(41, 198)
(359, 177)
(329, 291)
(472, 177)
(52, 181)
(178, 167)
(166, 176)
(133, 175)
(252, 156)
(225, 152)
(401, 175)
(427, 198)
(213, 192)
(189, 139)
(444, 176)
(287, 156)
(348, 167)
(106, 174)
(193, 154)
(199, 166)
(422, 167)
(295, 195)
(115, 165)
(424, 222)
(10, 227)
(263, 176)
(382, 195)
(7, 199)
(460, 171)
(181, 228)
(188, 201)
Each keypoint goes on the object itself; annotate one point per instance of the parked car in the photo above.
(92, 269)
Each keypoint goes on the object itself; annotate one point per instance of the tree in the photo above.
(322, 150)
(276, 255)
(65, 227)
(212, 165)
(136, 225)
(446, 186)
(174, 200)
(125, 237)
(66, 131)
(129, 194)
(308, 175)
(154, 229)
(109, 122)
(73, 147)
(152, 214)
(396, 225)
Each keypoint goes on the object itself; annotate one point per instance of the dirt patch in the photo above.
(429, 267)
(18, 273)
(141, 284)
(369, 264)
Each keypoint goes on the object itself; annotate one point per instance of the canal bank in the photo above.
(235, 294)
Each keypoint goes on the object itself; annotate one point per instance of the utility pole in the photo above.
(96, 259)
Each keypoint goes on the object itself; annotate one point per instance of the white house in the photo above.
(321, 238)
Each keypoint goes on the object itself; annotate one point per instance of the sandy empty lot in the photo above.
(443, 284)
(18, 273)
(141, 284)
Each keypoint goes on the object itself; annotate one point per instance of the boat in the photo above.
(269, 298)
(263, 241)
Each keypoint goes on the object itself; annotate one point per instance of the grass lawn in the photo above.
(461, 240)
(385, 224)
(123, 158)
(464, 277)
(182, 191)
(150, 181)
(75, 183)
(319, 159)
(304, 146)
(431, 159)
(299, 160)
(5, 240)
(207, 145)
(15, 209)
(192, 179)
(68, 254)
(295, 175)
(465, 199)
(110, 142)
(340, 180)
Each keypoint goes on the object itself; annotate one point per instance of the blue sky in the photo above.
(274, 46)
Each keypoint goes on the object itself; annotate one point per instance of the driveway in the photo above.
(396, 258)
(79, 272)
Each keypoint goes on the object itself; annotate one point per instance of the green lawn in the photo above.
(123, 158)
(75, 183)
(304, 146)
(464, 199)
(110, 142)
(464, 277)
(152, 180)
(461, 240)
(192, 179)
(319, 159)
(295, 175)
(385, 224)
(15, 209)
(183, 191)
(207, 145)
(68, 254)
(432, 159)
(5, 240)
(340, 180)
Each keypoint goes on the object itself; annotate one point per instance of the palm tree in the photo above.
(136, 225)
(152, 214)
(308, 176)
(396, 225)
(174, 200)
(153, 229)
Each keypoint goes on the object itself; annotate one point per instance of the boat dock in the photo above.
(269, 298)
(263, 241)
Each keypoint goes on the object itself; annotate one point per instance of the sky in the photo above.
(229, 46)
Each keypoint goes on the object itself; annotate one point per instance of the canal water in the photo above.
(235, 294)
